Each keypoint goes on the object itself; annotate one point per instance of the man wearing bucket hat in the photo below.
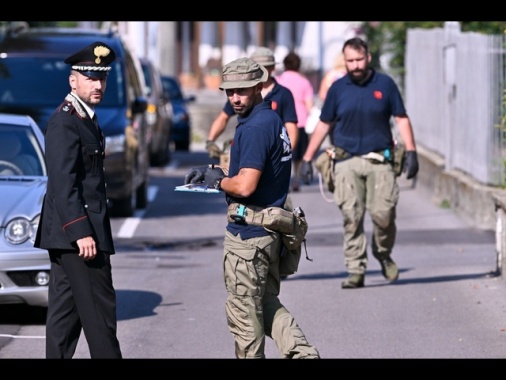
(281, 98)
(260, 156)
(74, 224)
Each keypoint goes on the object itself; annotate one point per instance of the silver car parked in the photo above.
(24, 270)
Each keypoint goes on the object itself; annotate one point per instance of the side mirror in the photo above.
(139, 105)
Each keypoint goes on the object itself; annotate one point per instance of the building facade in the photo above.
(195, 51)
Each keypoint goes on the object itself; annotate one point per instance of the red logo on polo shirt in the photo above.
(274, 105)
(378, 94)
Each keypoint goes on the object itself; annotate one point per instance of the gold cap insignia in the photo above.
(100, 51)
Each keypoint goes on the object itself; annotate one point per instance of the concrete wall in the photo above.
(458, 191)
(482, 206)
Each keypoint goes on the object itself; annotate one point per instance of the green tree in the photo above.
(389, 37)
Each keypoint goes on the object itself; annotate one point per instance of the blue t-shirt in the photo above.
(281, 101)
(261, 142)
(362, 113)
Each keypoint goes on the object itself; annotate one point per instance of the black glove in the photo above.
(213, 149)
(195, 175)
(306, 172)
(410, 164)
(213, 177)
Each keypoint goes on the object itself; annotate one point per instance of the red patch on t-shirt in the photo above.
(274, 105)
(378, 94)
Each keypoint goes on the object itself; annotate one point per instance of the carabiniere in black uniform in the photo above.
(75, 204)
(81, 292)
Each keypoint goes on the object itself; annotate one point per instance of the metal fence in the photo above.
(454, 86)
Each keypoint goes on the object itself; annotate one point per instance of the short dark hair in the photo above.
(292, 61)
(356, 43)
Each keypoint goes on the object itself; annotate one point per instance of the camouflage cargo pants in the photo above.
(253, 309)
(360, 185)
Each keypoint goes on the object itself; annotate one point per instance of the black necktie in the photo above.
(95, 120)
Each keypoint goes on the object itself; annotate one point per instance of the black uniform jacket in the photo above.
(75, 203)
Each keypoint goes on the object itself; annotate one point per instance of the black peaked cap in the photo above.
(93, 61)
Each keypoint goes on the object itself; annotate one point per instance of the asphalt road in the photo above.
(448, 301)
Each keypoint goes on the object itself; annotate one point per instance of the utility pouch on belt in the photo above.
(325, 165)
(291, 249)
(338, 154)
(399, 156)
(272, 218)
(291, 225)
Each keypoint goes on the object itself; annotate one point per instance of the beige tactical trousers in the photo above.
(362, 185)
(253, 309)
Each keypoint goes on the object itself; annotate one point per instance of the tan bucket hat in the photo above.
(263, 56)
(242, 73)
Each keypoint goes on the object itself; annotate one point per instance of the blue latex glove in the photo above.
(411, 164)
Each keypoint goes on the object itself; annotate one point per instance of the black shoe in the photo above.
(353, 281)
(389, 269)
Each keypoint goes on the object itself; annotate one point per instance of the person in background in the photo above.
(74, 223)
(361, 104)
(303, 94)
(281, 100)
(336, 72)
(259, 157)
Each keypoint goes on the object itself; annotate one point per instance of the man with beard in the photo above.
(361, 104)
(74, 222)
(258, 178)
(280, 97)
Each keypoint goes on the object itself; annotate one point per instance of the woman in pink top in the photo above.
(303, 94)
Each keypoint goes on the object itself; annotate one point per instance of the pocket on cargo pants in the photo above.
(245, 272)
(245, 266)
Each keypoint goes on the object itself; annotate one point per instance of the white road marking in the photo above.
(22, 336)
(129, 226)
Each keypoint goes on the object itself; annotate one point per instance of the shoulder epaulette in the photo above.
(67, 107)
(71, 104)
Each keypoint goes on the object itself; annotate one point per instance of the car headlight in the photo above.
(19, 230)
(114, 144)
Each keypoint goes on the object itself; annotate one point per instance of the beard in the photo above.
(359, 76)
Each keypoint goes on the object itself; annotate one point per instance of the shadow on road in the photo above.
(20, 314)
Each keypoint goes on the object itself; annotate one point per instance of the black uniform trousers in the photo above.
(81, 297)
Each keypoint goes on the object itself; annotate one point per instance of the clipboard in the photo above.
(197, 188)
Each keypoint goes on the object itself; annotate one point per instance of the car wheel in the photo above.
(182, 145)
(154, 159)
(123, 207)
(168, 153)
(142, 195)
(162, 157)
